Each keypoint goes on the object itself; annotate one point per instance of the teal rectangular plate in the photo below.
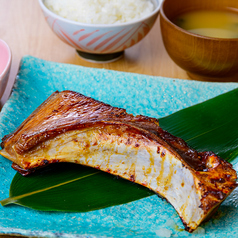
(139, 94)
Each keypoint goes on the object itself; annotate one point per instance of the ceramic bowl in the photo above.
(100, 42)
(204, 58)
(5, 65)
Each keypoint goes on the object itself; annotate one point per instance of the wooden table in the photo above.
(24, 28)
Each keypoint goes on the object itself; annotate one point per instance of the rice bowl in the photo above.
(101, 42)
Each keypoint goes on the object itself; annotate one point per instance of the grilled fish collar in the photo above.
(69, 127)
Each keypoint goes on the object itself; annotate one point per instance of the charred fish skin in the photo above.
(70, 127)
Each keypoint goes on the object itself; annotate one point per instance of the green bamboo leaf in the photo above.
(72, 188)
(208, 126)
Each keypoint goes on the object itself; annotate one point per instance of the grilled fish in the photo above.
(70, 127)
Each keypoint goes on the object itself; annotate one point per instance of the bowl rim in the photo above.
(154, 12)
(162, 14)
(7, 67)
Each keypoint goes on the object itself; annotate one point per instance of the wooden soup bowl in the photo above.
(204, 58)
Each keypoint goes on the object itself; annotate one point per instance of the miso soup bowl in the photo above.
(100, 42)
(204, 58)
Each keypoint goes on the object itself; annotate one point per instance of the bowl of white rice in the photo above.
(100, 30)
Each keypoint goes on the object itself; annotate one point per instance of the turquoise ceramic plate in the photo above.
(139, 94)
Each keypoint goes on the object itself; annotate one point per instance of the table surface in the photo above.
(24, 28)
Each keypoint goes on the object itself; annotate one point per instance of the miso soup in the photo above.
(220, 24)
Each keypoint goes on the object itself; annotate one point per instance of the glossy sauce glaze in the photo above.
(69, 111)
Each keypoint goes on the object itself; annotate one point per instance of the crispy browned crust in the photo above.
(67, 110)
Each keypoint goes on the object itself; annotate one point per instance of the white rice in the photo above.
(101, 11)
